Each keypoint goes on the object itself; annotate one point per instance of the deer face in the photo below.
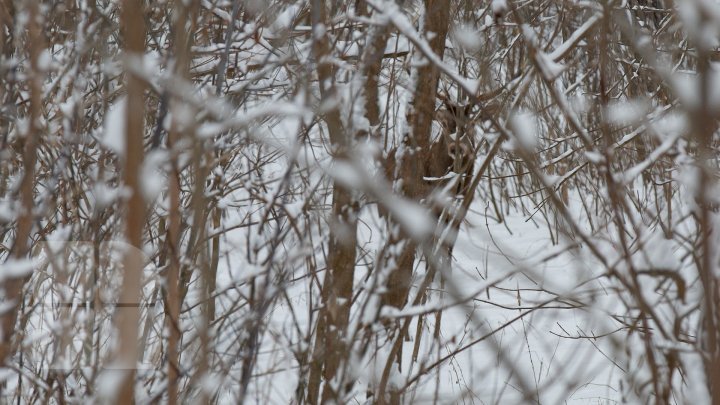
(459, 150)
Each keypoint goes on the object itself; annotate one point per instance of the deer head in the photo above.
(453, 151)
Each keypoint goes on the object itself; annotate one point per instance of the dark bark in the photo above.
(416, 152)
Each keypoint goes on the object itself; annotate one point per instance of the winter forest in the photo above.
(359, 201)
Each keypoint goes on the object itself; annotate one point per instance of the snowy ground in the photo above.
(534, 327)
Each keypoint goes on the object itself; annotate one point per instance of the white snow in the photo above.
(468, 38)
(152, 178)
(524, 126)
(499, 7)
(16, 268)
(627, 112)
(114, 127)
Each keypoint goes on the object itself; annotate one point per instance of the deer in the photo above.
(451, 156)
(447, 168)
(454, 149)
(447, 171)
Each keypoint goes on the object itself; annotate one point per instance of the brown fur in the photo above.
(452, 151)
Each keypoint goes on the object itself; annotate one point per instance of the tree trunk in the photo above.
(128, 312)
(337, 288)
(415, 154)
